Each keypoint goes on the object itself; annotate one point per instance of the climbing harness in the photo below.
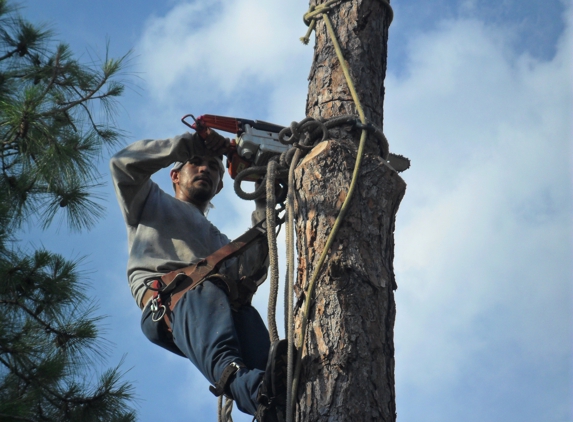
(170, 288)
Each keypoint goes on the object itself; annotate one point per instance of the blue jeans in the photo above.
(211, 335)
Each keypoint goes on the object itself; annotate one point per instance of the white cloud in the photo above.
(483, 254)
(220, 52)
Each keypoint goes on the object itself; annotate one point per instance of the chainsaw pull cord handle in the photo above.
(198, 126)
(186, 123)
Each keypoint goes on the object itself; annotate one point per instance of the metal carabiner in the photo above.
(156, 307)
(157, 318)
(153, 305)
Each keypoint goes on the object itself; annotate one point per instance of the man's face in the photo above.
(198, 180)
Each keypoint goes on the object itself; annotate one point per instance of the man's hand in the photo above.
(216, 143)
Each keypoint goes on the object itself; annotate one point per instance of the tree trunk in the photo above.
(348, 357)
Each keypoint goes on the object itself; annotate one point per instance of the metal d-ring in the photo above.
(162, 310)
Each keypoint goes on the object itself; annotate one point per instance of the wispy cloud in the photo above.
(220, 52)
(483, 254)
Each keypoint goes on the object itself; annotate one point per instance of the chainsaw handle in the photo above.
(193, 126)
(199, 125)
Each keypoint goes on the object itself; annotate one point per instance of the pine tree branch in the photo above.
(89, 114)
(44, 388)
(7, 350)
(15, 370)
(47, 150)
(39, 320)
(72, 104)
(54, 75)
(4, 416)
(5, 152)
(11, 136)
(10, 54)
(77, 400)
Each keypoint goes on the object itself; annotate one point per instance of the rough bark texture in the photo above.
(348, 359)
(362, 30)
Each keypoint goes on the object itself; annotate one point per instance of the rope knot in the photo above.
(315, 12)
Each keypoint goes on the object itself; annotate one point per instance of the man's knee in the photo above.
(157, 333)
(239, 292)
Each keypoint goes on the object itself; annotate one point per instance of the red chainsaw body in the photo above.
(238, 157)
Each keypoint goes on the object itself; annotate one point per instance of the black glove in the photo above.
(215, 143)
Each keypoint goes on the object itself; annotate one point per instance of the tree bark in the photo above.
(348, 357)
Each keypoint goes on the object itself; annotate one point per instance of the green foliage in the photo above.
(49, 129)
(56, 118)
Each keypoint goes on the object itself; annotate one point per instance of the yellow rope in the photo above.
(310, 19)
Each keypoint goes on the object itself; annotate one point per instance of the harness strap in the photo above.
(177, 283)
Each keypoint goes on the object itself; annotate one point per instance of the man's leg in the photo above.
(156, 331)
(204, 330)
(253, 337)
(255, 345)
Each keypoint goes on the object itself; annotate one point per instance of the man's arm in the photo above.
(132, 167)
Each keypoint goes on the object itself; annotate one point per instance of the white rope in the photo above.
(224, 410)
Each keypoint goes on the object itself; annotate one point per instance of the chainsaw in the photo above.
(255, 144)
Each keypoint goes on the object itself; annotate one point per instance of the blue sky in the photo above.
(478, 94)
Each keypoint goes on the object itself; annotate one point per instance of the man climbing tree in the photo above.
(193, 285)
(51, 140)
(346, 370)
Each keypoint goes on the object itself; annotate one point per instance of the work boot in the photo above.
(272, 392)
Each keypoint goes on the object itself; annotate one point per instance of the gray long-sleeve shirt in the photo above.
(165, 233)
